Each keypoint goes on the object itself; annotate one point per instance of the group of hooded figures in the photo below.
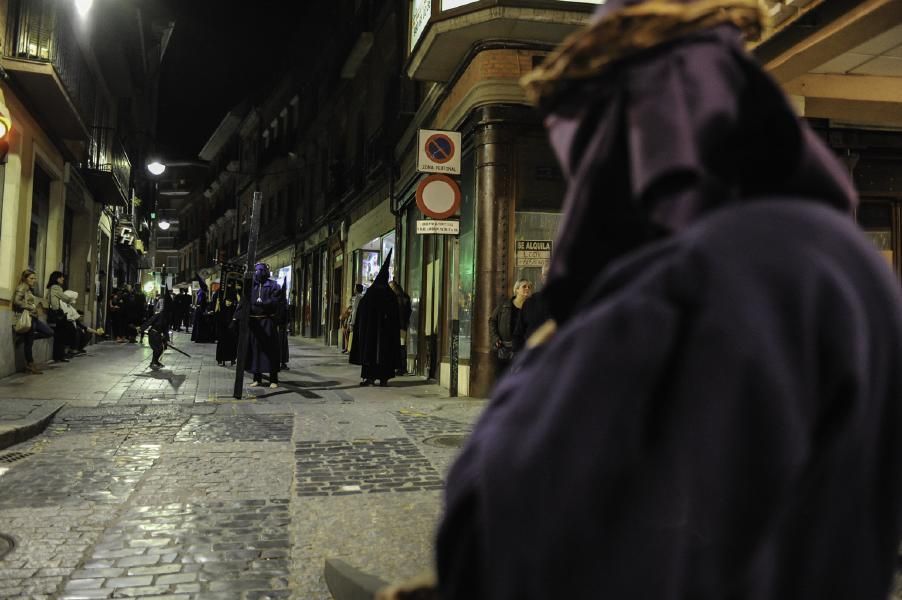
(216, 318)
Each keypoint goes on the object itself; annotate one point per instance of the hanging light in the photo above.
(156, 167)
(83, 6)
(164, 225)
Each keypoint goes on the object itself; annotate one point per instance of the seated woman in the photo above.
(24, 300)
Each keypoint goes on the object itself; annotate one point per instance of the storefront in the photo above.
(310, 266)
(370, 239)
(511, 195)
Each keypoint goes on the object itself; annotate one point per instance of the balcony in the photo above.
(443, 32)
(45, 62)
(107, 170)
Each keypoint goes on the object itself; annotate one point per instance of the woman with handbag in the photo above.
(502, 323)
(62, 329)
(28, 326)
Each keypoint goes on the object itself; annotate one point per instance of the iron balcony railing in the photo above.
(107, 155)
(42, 30)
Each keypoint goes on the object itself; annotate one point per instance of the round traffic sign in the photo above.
(438, 196)
(439, 148)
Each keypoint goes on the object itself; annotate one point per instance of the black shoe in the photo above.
(284, 367)
(367, 382)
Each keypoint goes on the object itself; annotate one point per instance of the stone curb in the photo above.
(347, 583)
(24, 429)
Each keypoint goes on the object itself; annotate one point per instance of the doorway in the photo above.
(432, 308)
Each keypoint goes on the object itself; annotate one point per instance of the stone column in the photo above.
(494, 142)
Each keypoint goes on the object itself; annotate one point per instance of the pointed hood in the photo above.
(382, 277)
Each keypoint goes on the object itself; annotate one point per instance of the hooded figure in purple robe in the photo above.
(715, 410)
(376, 344)
(264, 347)
(202, 330)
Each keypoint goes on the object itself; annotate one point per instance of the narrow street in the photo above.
(160, 484)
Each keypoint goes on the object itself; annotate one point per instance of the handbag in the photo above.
(55, 315)
(505, 352)
(23, 323)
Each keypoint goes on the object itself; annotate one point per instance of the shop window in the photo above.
(876, 219)
(414, 282)
(535, 233)
(388, 245)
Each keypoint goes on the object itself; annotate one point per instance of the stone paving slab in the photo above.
(161, 485)
(21, 419)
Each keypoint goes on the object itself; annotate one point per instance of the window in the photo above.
(40, 213)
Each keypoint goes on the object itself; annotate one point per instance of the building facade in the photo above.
(333, 150)
(80, 93)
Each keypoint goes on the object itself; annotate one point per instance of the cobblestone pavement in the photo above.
(161, 485)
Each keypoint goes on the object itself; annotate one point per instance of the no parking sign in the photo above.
(438, 152)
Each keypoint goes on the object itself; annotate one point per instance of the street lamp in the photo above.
(164, 225)
(83, 6)
(157, 167)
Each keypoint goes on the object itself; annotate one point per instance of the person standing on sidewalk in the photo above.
(405, 309)
(715, 411)
(63, 332)
(263, 347)
(376, 346)
(502, 323)
(355, 302)
(24, 300)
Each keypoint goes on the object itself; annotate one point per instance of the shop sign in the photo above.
(439, 152)
(438, 196)
(439, 227)
(533, 253)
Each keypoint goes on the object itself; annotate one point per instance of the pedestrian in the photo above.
(534, 313)
(63, 332)
(78, 343)
(117, 316)
(716, 412)
(502, 323)
(376, 346)
(405, 309)
(24, 301)
(344, 323)
(201, 327)
(157, 328)
(263, 348)
(355, 302)
(284, 320)
(225, 300)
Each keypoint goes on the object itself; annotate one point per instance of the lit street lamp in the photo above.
(83, 6)
(164, 225)
(157, 167)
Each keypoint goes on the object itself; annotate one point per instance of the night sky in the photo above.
(220, 52)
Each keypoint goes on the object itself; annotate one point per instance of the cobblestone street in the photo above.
(161, 485)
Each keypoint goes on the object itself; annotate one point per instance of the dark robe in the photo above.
(263, 347)
(202, 326)
(376, 345)
(223, 313)
(717, 415)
